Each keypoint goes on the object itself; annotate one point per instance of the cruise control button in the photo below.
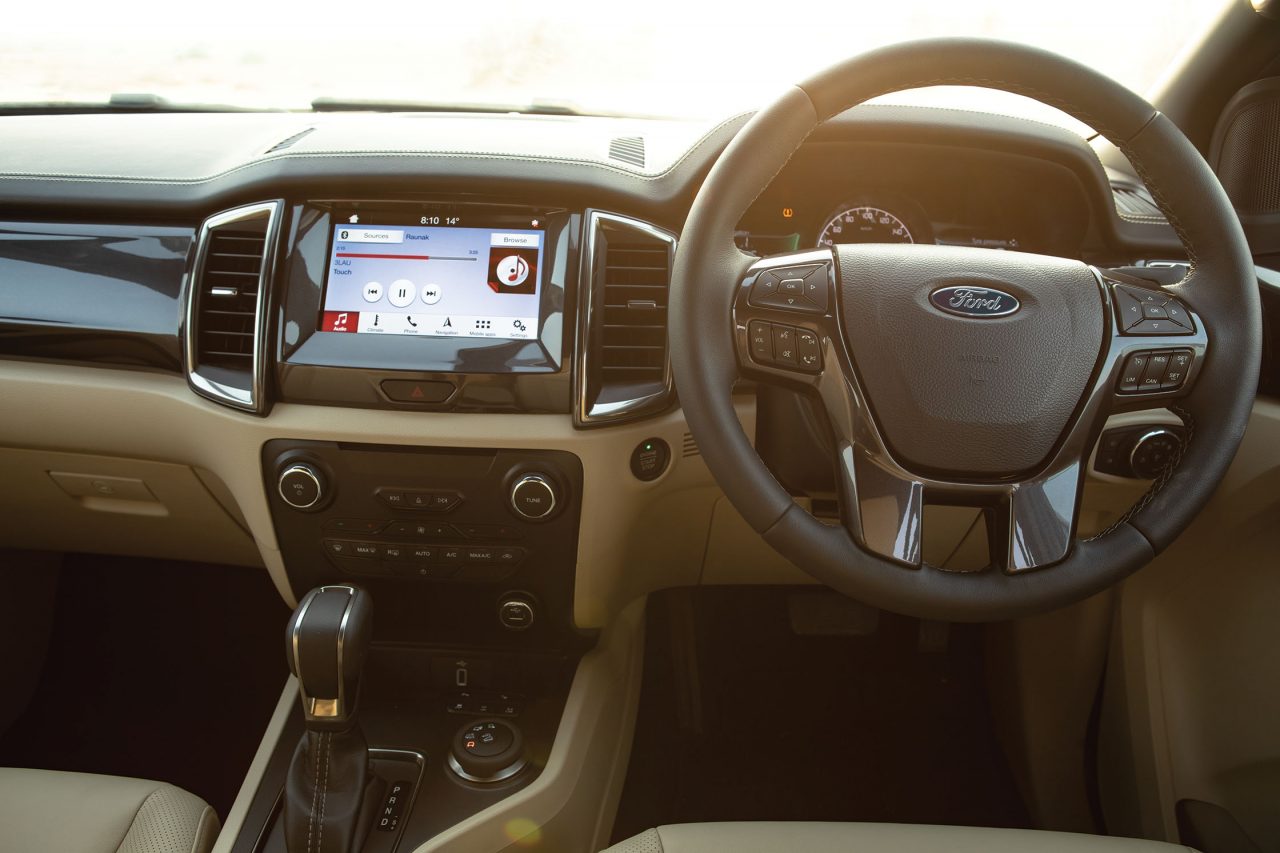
(807, 348)
(1179, 365)
(760, 337)
(1173, 308)
(784, 346)
(1157, 364)
(1131, 373)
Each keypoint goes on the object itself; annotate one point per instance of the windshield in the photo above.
(665, 58)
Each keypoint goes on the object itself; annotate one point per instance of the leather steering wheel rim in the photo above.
(1220, 288)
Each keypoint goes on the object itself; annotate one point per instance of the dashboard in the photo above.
(430, 351)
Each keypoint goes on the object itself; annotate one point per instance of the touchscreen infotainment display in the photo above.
(438, 277)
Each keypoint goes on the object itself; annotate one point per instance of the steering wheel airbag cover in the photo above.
(970, 396)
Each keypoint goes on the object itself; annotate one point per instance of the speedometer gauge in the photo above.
(865, 224)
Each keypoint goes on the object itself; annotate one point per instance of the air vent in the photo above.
(690, 446)
(627, 149)
(227, 303)
(624, 371)
(1134, 203)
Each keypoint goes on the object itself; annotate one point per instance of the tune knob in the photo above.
(301, 486)
(534, 496)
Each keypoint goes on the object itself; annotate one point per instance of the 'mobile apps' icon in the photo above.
(513, 270)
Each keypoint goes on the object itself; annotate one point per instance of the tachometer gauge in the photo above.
(866, 224)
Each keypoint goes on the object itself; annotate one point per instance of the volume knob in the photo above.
(301, 486)
(534, 496)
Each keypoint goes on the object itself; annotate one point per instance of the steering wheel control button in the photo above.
(1155, 370)
(533, 496)
(1179, 363)
(1153, 452)
(809, 352)
(766, 285)
(760, 335)
(1174, 311)
(1153, 376)
(1128, 308)
(649, 460)
(1140, 311)
(1131, 373)
(802, 288)
(301, 486)
(784, 347)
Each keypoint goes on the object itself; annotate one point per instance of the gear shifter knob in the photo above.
(326, 641)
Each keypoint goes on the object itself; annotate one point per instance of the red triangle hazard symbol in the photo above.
(417, 392)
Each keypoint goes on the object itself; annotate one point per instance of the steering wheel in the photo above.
(966, 376)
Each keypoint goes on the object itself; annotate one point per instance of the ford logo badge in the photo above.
(978, 302)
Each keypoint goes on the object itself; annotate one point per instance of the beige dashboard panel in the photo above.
(1193, 694)
(634, 536)
(59, 501)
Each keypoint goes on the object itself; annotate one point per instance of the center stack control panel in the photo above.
(477, 540)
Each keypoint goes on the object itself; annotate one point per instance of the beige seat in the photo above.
(43, 810)
(871, 838)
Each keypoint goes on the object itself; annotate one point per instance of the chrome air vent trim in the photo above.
(591, 409)
(219, 385)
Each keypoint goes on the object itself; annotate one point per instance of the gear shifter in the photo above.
(326, 642)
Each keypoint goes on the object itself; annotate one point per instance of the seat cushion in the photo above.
(871, 838)
(86, 813)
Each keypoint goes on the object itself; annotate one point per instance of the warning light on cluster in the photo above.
(787, 213)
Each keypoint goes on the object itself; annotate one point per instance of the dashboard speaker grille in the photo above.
(1132, 203)
(624, 371)
(226, 309)
(627, 149)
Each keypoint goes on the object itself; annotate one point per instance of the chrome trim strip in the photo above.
(500, 776)
(588, 412)
(252, 398)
